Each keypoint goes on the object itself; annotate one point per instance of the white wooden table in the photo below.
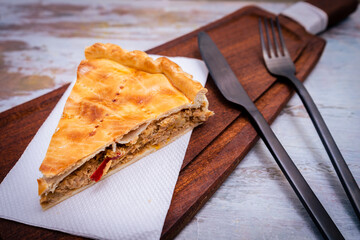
(42, 43)
(256, 201)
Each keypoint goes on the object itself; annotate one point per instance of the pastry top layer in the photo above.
(116, 92)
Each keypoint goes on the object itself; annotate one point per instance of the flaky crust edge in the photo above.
(140, 60)
(181, 80)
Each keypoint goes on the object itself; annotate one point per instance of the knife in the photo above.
(232, 90)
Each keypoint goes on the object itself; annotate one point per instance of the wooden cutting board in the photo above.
(216, 147)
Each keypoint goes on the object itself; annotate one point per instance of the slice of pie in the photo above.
(124, 105)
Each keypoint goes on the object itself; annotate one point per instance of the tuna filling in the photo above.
(155, 135)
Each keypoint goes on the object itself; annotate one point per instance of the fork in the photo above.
(279, 63)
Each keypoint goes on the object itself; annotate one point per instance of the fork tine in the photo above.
(263, 47)
(271, 49)
(282, 42)
(277, 49)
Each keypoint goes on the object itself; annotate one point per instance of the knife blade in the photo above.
(232, 90)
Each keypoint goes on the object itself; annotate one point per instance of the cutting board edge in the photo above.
(176, 228)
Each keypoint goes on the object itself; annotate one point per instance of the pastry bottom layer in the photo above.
(156, 135)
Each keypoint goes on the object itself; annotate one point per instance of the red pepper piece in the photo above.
(96, 176)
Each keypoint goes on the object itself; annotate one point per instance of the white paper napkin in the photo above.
(131, 204)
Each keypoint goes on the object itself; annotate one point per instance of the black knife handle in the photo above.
(346, 178)
(308, 198)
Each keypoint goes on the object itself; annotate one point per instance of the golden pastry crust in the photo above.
(140, 60)
(116, 92)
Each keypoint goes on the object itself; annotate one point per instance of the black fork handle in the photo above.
(308, 198)
(346, 178)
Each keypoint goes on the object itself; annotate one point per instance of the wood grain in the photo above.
(336, 10)
(233, 136)
(215, 148)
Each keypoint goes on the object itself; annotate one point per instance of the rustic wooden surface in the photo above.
(234, 212)
(240, 209)
(225, 136)
(335, 10)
